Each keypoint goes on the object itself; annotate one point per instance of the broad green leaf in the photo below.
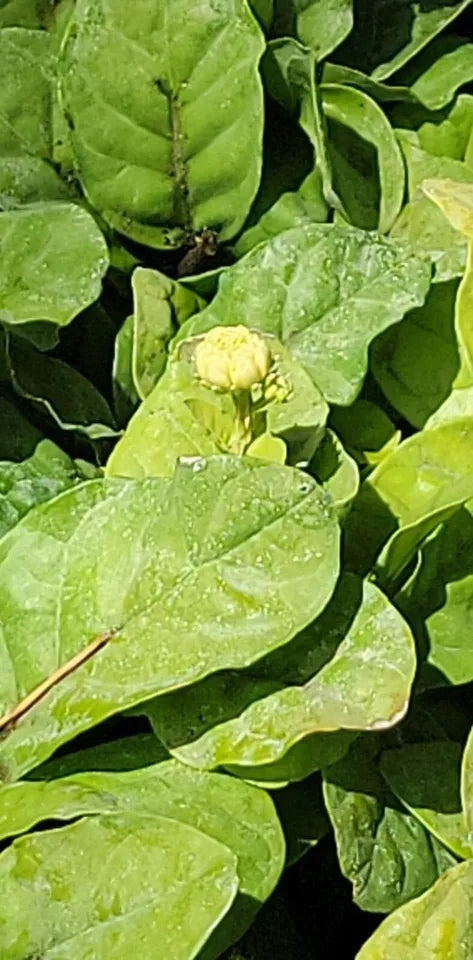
(79, 892)
(451, 136)
(455, 201)
(421, 222)
(26, 105)
(125, 396)
(366, 431)
(385, 853)
(379, 91)
(203, 284)
(213, 704)
(53, 258)
(439, 594)
(353, 163)
(356, 110)
(325, 292)
(170, 155)
(27, 117)
(467, 784)
(26, 13)
(301, 810)
(25, 180)
(416, 361)
(287, 68)
(458, 405)
(426, 778)
(437, 924)
(181, 417)
(323, 24)
(126, 753)
(184, 418)
(45, 474)
(365, 685)
(449, 631)
(213, 569)
(438, 85)
(160, 307)
(415, 488)
(263, 10)
(267, 447)
(221, 807)
(388, 35)
(301, 760)
(314, 123)
(288, 156)
(60, 391)
(336, 471)
(305, 205)
(300, 420)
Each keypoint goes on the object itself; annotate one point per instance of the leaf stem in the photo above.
(9, 719)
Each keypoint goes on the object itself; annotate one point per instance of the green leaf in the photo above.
(267, 447)
(336, 471)
(388, 35)
(125, 396)
(449, 628)
(183, 418)
(220, 807)
(300, 420)
(426, 778)
(301, 760)
(26, 117)
(437, 924)
(323, 24)
(126, 753)
(448, 137)
(381, 92)
(287, 69)
(440, 594)
(263, 10)
(59, 243)
(57, 389)
(25, 180)
(160, 307)
(417, 486)
(416, 361)
(356, 110)
(384, 851)
(214, 569)
(455, 201)
(306, 205)
(180, 418)
(365, 429)
(467, 784)
(364, 654)
(45, 474)
(421, 222)
(25, 76)
(191, 881)
(438, 85)
(170, 154)
(325, 292)
(24, 13)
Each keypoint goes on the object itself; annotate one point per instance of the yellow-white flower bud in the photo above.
(232, 358)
